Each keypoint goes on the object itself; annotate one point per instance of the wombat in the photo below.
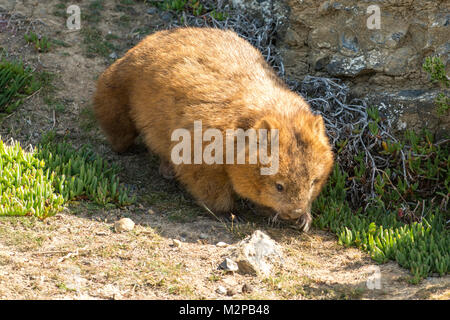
(174, 78)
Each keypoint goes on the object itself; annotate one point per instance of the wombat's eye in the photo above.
(314, 182)
(279, 187)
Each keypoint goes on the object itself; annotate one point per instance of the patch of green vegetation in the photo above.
(60, 8)
(404, 221)
(217, 15)
(60, 43)
(166, 275)
(41, 181)
(195, 7)
(436, 69)
(93, 12)
(41, 43)
(143, 31)
(112, 36)
(26, 187)
(95, 43)
(16, 83)
(87, 119)
(96, 5)
(124, 21)
(57, 105)
(80, 174)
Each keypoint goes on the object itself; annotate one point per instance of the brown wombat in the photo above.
(175, 77)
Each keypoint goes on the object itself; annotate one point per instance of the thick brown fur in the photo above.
(175, 77)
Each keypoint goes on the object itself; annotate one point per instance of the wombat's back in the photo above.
(175, 77)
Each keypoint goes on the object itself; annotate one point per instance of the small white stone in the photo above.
(124, 224)
(229, 265)
(176, 243)
(221, 290)
(221, 244)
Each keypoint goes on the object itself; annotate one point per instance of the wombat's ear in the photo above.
(319, 129)
(246, 123)
(265, 124)
(318, 125)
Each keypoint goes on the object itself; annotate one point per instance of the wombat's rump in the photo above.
(175, 77)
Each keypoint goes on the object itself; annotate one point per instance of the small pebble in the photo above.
(150, 211)
(221, 244)
(229, 265)
(176, 243)
(231, 292)
(203, 236)
(221, 290)
(246, 288)
(166, 16)
(124, 224)
(113, 55)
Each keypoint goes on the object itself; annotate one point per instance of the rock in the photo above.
(203, 236)
(110, 292)
(247, 288)
(221, 290)
(124, 224)
(333, 39)
(221, 244)
(323, 38)
(113, 55)
(231, 292)
(398, 62)
(348, 43)
(151, 211)
(346, 66)
(229, 265)
(292, 38)
(152, 10)
(411, 109)
(166, 16)
(256, 254)
(176, 243)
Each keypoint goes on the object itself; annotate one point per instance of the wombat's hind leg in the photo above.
(166, 169)
(114, 118)
(123, 140)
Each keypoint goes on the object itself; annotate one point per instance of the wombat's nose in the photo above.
(294, 214)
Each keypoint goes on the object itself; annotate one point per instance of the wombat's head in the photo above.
(305, 160)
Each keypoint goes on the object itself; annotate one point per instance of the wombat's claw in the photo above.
(304, 222)
(230, 217)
